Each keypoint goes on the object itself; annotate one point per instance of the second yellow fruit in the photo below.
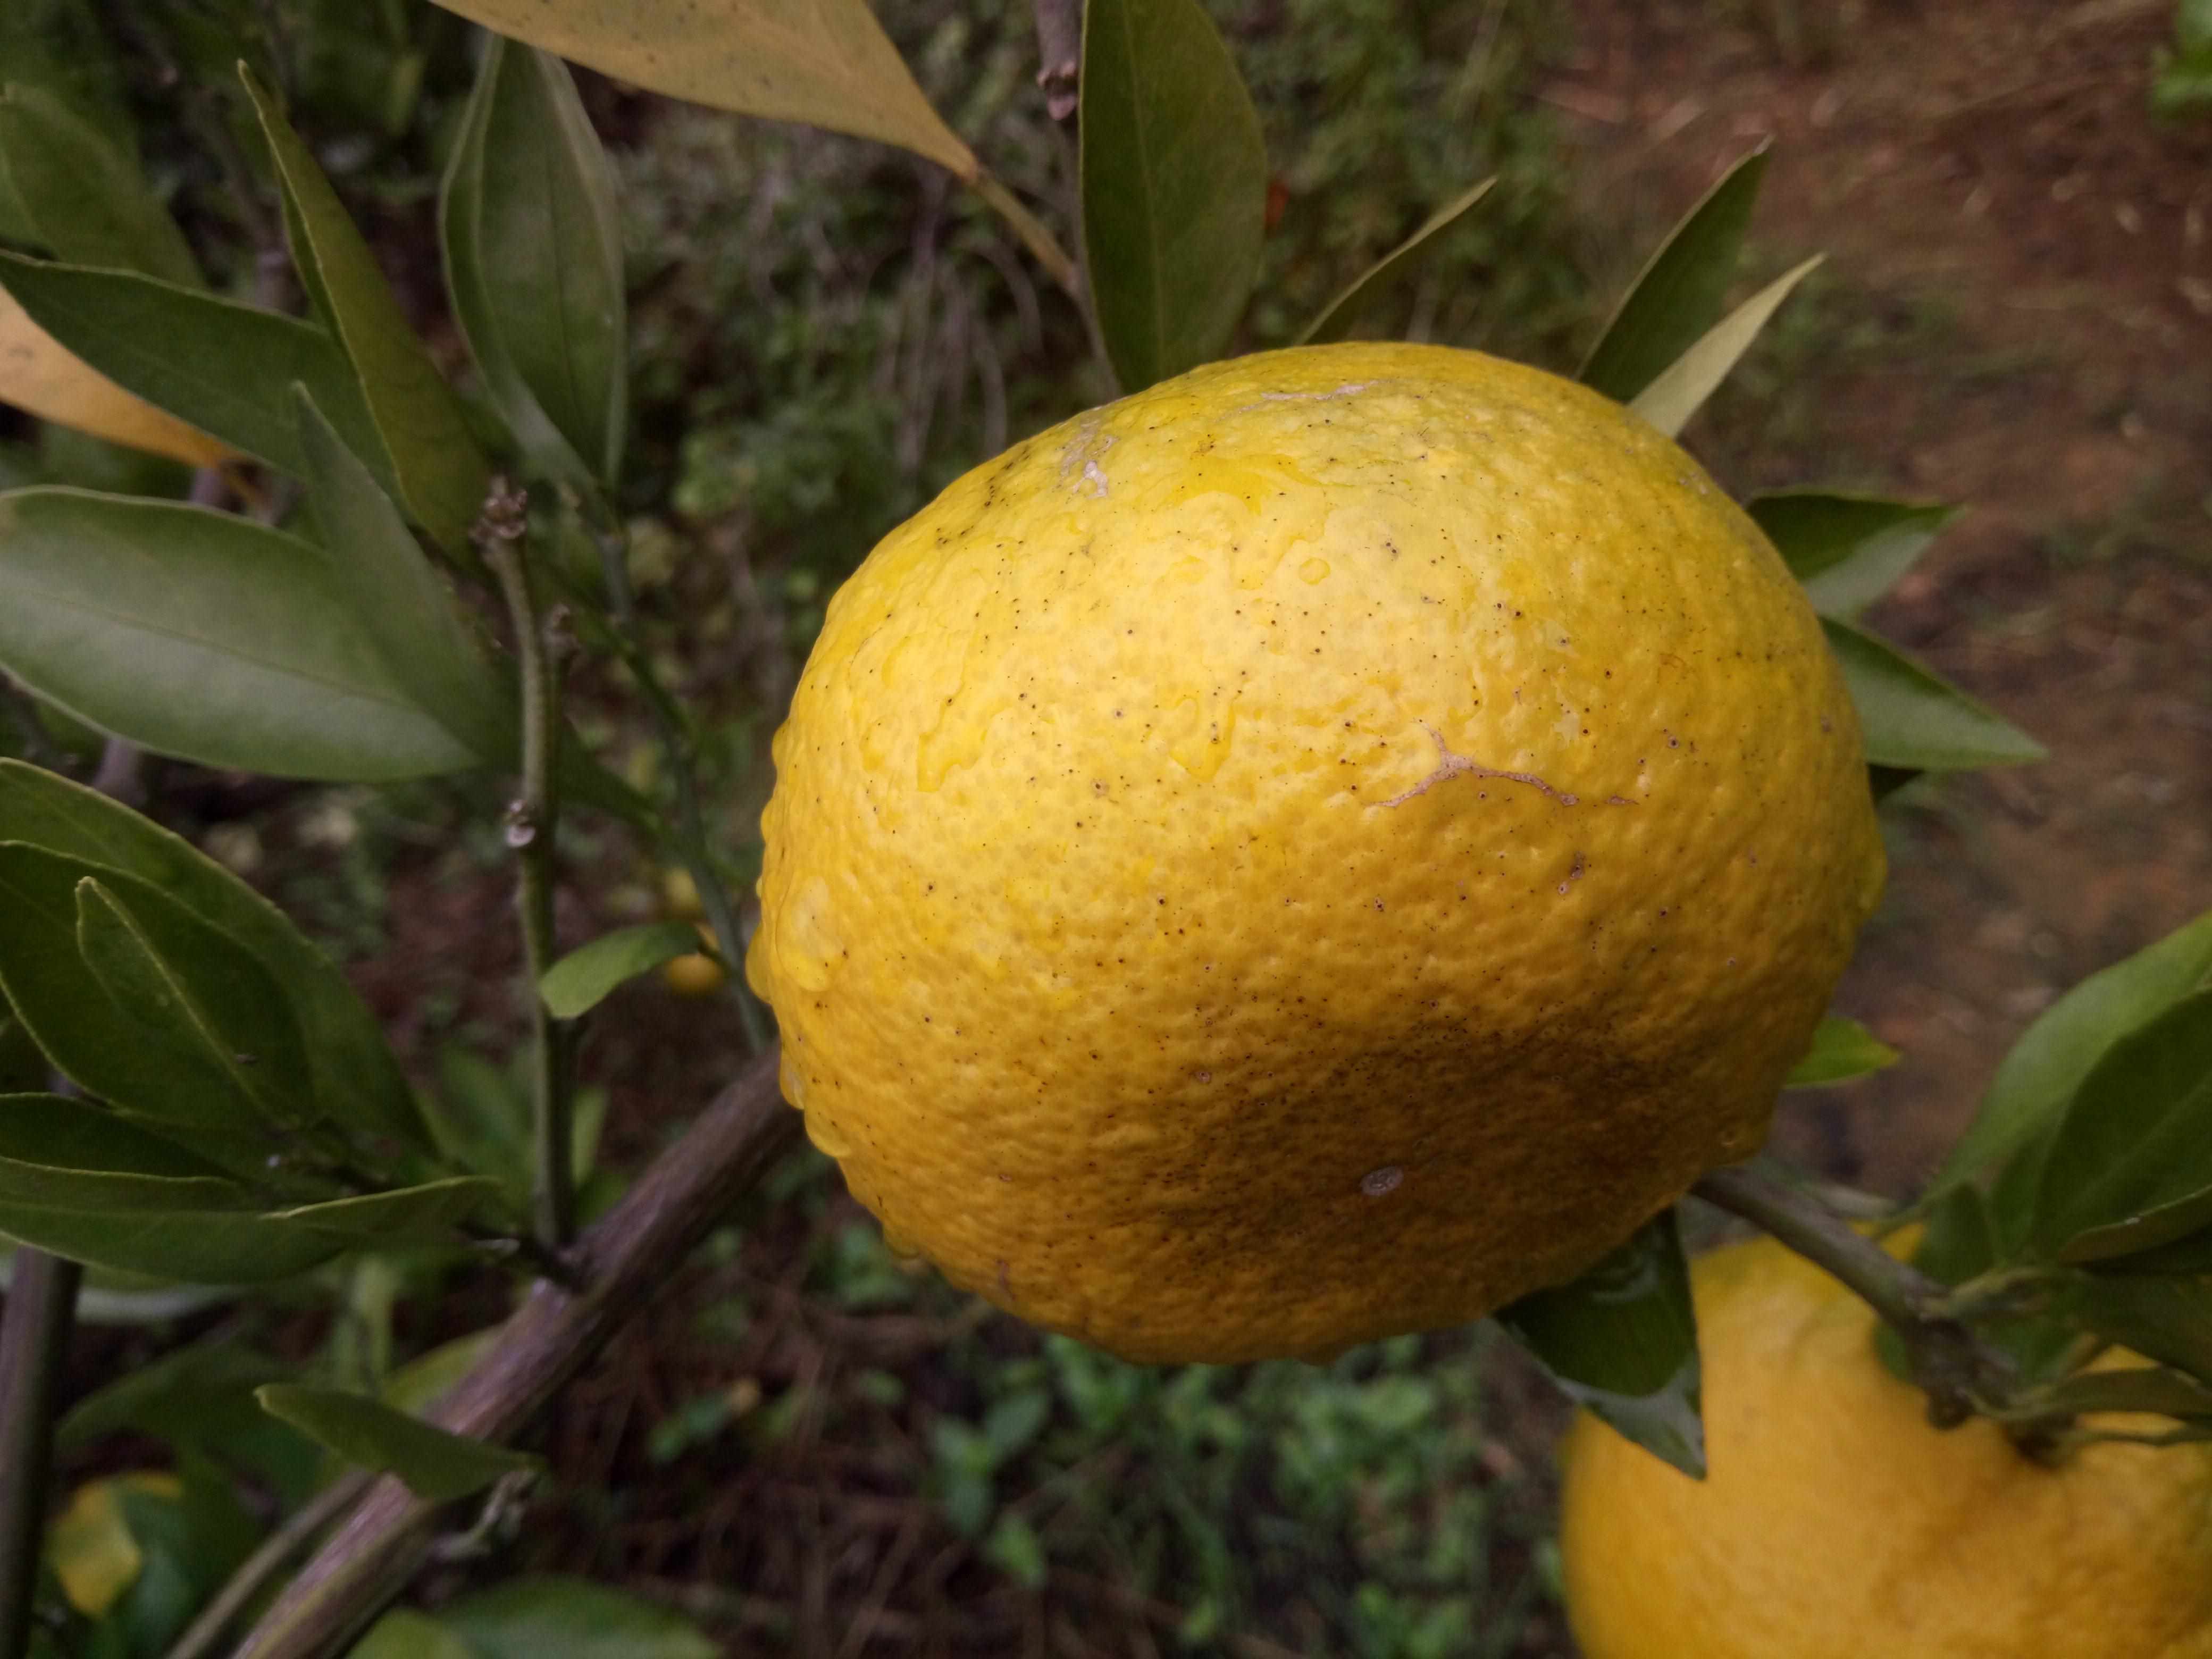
(1836, 1523)
(1313, 850)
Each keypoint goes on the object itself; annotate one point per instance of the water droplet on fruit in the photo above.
(808, 950)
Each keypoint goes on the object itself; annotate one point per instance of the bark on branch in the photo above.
(623, 1260)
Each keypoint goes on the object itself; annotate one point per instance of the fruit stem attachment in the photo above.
(1957, 1372)
(501, 537)
(689, 836)
(34, 1332)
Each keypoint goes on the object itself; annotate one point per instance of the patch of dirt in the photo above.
(2016, 316)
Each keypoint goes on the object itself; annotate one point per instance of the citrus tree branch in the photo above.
(499, 537)
(1060, 54)
(35, 1330)
(274, 1555)
(1959, 1372)
(623, 1259)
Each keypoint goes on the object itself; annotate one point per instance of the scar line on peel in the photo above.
(1453, 766)
(1267, 397)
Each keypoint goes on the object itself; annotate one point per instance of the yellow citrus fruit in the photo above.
(700, 973)
(1312, 850)
(679, 895)
(1836, 1523)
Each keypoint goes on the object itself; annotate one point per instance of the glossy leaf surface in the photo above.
(202, 635)
(439, 471)
(82, 194)
(2131, 1167)
(533, 254)
(225, 368)
(1175, 185)
(1622, 1341)
(1678, 297)
(215, 1246)
(1343, 313)
(1842, 1049)
(42, 377)
(1847, 550)
(435, 1465)
(1679, 390)
(827, 63)
(577, 982)
(2044, 1069)
(358, 1082)
(395, 596)
(1912, 718)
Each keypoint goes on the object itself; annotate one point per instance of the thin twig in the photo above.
(625, 1258)
(1959, 1372)
(275, 1553)
(531, 824)
(1059, 53)
(690, 840)
(34, 1332)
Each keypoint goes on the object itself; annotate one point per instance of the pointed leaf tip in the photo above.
(1678, 297)
(1680, 390)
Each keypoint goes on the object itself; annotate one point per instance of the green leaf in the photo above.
(437, 1466)
(202, 635)
(165, 1397)
(480, 1121)
(1842, 1049)
(1622, 1341)
(398, 599)
(1342, 314)
(403, 1633)
(825, 62)
(57, 1150)
(238, 1247)
(118, 1051)
(195, 993)
(1678, 297)
(423, 1214)
(1911, 718)
(358, 1082)
(440, 472)
(24, 1069)
(2135, 1389)
(533, 255)
(549, 1618)
(225, 367)
(81, 194)
(2131, 1167)
(428, 1377)
(2165, 1319)
(576, 984)
(1847, 550)
(2041, 1074)
(199, 1398)
(1680, 390)
(2048, 1064)
(1175, 185)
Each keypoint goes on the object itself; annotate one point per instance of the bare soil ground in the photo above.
(2017, 316)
